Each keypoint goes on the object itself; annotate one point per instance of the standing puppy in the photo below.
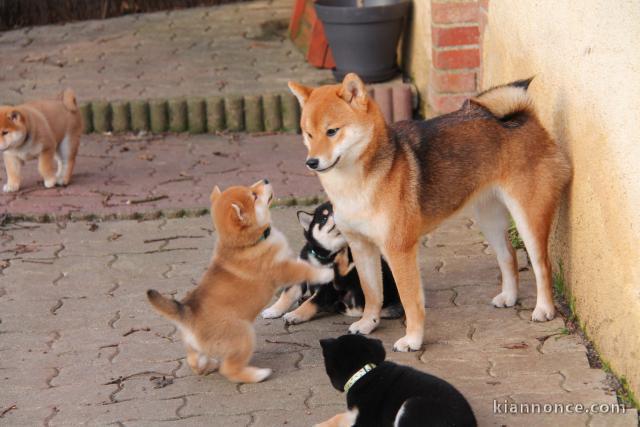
(250, 262)
(385, 394)
(49, 130)
(390, 185)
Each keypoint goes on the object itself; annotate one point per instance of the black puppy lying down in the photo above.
(384, 394)
(326, 246)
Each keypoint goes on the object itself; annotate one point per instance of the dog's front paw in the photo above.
(271, 313)
(408, 343)
(543, 312)
(364, 326)
(324, 275)
(293, 318)
(505, 299)
(262, 374)
(50, 182)
(10, 187)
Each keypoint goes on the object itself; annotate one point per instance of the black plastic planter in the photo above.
(363, 39)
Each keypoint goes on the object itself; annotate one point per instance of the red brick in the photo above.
(455, 59)
(441, 104)
(451, 13)
(455, 36)
(453, 83)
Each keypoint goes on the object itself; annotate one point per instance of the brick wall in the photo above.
(456, 28)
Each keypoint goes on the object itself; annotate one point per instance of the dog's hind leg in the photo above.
(200, 364)
(533, 212)
(493, 219)
(234, 365)
(287, 298)
(367, 259)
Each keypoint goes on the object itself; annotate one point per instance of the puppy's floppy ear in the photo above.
(15, 116)
(305, 218)
(354, 92)
(377, 350)
(301, 92)
(238, 210)
(215, 194)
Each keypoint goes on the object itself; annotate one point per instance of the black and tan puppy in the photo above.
(327, 247)
(381, 393)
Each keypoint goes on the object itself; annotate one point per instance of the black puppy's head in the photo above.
(345, 355)
(320, 230)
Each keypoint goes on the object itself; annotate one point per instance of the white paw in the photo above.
(325, 275)
(292, 318)
(505, 299)
(271, 313)
(364, 326)
(262, 374)
(49, 183)
(10, 188)
(543, 312)
(408, 343)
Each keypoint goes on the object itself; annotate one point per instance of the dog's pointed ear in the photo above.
(215, 194)
(305, 218)
(238, 210)
(377, 350)
(15, 116)
(300, 91)
(354, 92)
(327, 343)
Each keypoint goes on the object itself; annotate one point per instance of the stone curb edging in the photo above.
(145, 216)
(235, 113)
(270, 112)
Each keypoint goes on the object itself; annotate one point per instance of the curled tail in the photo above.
(169, 308)
(69, 100)
(506, 101)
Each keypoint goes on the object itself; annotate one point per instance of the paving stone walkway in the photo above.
(80, 345)
(236, 48)
(126, 175)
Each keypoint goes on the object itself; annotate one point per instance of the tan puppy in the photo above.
(47, 129)
(250, 262)
(390, 185)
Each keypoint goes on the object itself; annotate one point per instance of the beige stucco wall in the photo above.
(586, 58)
(416, 49)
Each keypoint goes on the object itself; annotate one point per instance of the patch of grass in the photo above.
(567, 306)
(514, 236)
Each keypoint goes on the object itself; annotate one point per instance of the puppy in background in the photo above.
(327, 247)
(385, 394)
(47, 129)
(250, 262)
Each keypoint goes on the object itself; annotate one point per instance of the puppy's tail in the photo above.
(506, 101)
(69, 100)
(169, 308)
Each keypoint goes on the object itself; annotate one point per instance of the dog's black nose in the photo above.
(265, 180)
(313, 163)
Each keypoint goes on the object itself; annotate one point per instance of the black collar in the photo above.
(265, 234)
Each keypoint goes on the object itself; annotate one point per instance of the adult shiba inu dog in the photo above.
(250, 262)
(391, 184)
(49, 130)
(327, 247)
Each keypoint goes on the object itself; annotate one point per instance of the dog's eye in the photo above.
(323, 220)
(255, 196)
(332, 132)
(5, 132)
(309, 135)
